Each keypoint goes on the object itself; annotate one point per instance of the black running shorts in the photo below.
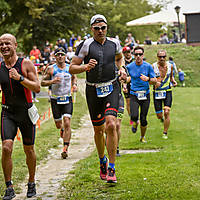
(60, 110)
(158, 102)
(11, 121)
(99, 107)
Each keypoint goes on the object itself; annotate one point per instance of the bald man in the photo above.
(18, 110)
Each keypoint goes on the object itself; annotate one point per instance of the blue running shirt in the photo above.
(135, 72)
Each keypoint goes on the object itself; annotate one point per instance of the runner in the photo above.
(141, 75)
(58, 76)
(101, 55)
(17, 78)
(162, 90)
(129, 58)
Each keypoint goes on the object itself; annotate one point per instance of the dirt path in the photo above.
(50, 175)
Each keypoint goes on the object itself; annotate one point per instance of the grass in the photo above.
(46, 138)
(172, 173)
(186, 57)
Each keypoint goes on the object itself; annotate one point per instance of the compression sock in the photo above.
(103, 160)
(112, 165)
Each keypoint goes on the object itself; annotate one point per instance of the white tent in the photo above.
(161, 17)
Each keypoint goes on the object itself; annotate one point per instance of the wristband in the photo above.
(21, 79)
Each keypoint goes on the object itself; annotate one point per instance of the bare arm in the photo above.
(74, 83)
(76, 66)
(30, 76)
(152, 81)
(172, 77)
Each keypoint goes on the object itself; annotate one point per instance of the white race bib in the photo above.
(104, 89)
(141, 95)
(33, 114)
(160, 94)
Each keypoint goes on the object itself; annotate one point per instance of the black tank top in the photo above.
(14, 94)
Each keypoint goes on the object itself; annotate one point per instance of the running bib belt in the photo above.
(141, 95)
(33, 114)
(160, 94)
(63, 100)
(104, 89)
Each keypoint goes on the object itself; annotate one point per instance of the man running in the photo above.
(129, 58)
(141, 75)
(17, 78)
(162, 90)
(62, 82)
(101, 55)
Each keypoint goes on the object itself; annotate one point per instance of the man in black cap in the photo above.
(101, 56)
(62, 82)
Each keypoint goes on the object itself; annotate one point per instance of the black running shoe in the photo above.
(31, 190)
(9, 194)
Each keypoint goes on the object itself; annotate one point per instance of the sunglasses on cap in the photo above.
(97, 28)
(138, 54)
(161, 56)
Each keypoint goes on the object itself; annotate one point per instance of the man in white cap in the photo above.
(101, 56)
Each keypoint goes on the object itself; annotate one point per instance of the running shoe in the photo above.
(103, 170)
(31, 190)
(9, 194)
(64, 154)
(134, 130)
(111, 177)
(164, 136)
(142, 139)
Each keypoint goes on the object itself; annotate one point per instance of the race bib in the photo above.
(63, 100)
(141, 95)
(104, 89)
(160, 94)
(33, 114)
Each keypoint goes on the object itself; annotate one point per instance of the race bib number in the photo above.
(63, 100)
(104, 89)
(33, 114)
(141, 95)
(160, 94)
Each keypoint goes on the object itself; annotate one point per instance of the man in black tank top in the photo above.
(101, 54)
(17, 78)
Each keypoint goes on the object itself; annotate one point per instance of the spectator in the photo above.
(72, 41)
(45, 56)
(175, 37)
(70, 54)
(174, 66)
(148, 41)
(78, 41)
(64, 44)
(35, 52)
(164, 39)
(181, 76)
(131, 39)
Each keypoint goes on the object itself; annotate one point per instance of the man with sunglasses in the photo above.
(162, 90)
(58, 76)
(141, 75)
(101, 55)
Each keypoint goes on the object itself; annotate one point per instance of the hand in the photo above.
(56, 80)
(74, 88)
(157, 85)
(144, 78)
(174, 83)
(92, 63)
(122, 76)
(14, 74)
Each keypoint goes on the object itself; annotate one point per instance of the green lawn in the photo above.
(172, 173)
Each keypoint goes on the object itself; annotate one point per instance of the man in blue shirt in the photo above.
(141, 75)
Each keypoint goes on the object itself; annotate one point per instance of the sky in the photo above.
(187, 6)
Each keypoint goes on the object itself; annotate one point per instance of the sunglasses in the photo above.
(161, 56)
(59, 54)
(138, 54)
(97, 28)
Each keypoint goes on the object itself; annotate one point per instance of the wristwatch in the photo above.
(21, 78)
